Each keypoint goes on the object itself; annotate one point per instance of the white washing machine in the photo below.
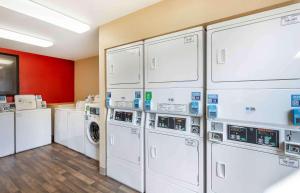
(92, 131)
(253, 101)
(7, 137)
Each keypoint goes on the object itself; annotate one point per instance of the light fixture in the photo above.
(5, 61)
(14, 36)
(38, 11)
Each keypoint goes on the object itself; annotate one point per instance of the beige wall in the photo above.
(86, 77)
(164, 17)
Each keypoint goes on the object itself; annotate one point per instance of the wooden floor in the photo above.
(54, 169)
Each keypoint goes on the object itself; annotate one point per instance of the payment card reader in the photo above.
(296, 117)
(148, 101)
(194, 107)
(212, 112)
(137, 100)
(108, 99)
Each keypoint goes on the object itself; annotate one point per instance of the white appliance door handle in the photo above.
(112, 140)
(153, 65)
(221, 56)
(111, 68)
(221, 169)
(153, 152)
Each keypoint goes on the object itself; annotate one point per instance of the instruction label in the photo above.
(289, 162)
(290, 19)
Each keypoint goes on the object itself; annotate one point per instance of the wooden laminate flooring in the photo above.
(54, 169)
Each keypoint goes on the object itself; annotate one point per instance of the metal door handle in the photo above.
(221, 56)
(221, 170)
(111, 68)
(153, 152)
(112, 140)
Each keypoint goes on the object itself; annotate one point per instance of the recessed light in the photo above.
(5, 62)
(45, 14)
(14, 36)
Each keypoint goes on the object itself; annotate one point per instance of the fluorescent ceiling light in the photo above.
(14, 36)
(38, 11)
(5, 62)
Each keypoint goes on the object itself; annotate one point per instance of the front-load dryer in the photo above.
(92, 131)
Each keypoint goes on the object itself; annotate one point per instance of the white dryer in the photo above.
(92, 131)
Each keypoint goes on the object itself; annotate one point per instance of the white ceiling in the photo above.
(68, 45)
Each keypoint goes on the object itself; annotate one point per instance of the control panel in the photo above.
(188, 124)
(94, 111)
(172, 123)
(123, 116)
(127, 117)
(258, 136)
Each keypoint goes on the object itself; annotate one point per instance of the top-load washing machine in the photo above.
(174, 112)
(92, 130)
(125, 118)
(253, 101)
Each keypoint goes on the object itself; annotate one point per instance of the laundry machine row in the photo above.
(159, 99)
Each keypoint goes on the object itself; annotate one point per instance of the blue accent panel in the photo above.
(147, 105)
(136, 103)
(212, 99)
(138, 94)
(196, 96)
(212, 111)
(295, 100)
(194, 107)
(296, 117)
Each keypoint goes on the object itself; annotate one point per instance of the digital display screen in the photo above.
(259, 136)
(175, 123)
(123, 116)
(94, 111)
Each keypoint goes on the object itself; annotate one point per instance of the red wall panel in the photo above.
(53, 78)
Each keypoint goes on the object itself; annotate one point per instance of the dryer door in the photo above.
(236, 170)
(123, 143)
(174, 157)
(125, 67)
(178, 56)
(264, 50)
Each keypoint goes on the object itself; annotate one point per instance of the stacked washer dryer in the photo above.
(174, 112)
(253, 101)
(125, 119)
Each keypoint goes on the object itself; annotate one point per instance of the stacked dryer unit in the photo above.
(174, 112)
(125, 119)
(253, 101)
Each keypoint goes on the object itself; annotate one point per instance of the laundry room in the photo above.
(149, 96)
